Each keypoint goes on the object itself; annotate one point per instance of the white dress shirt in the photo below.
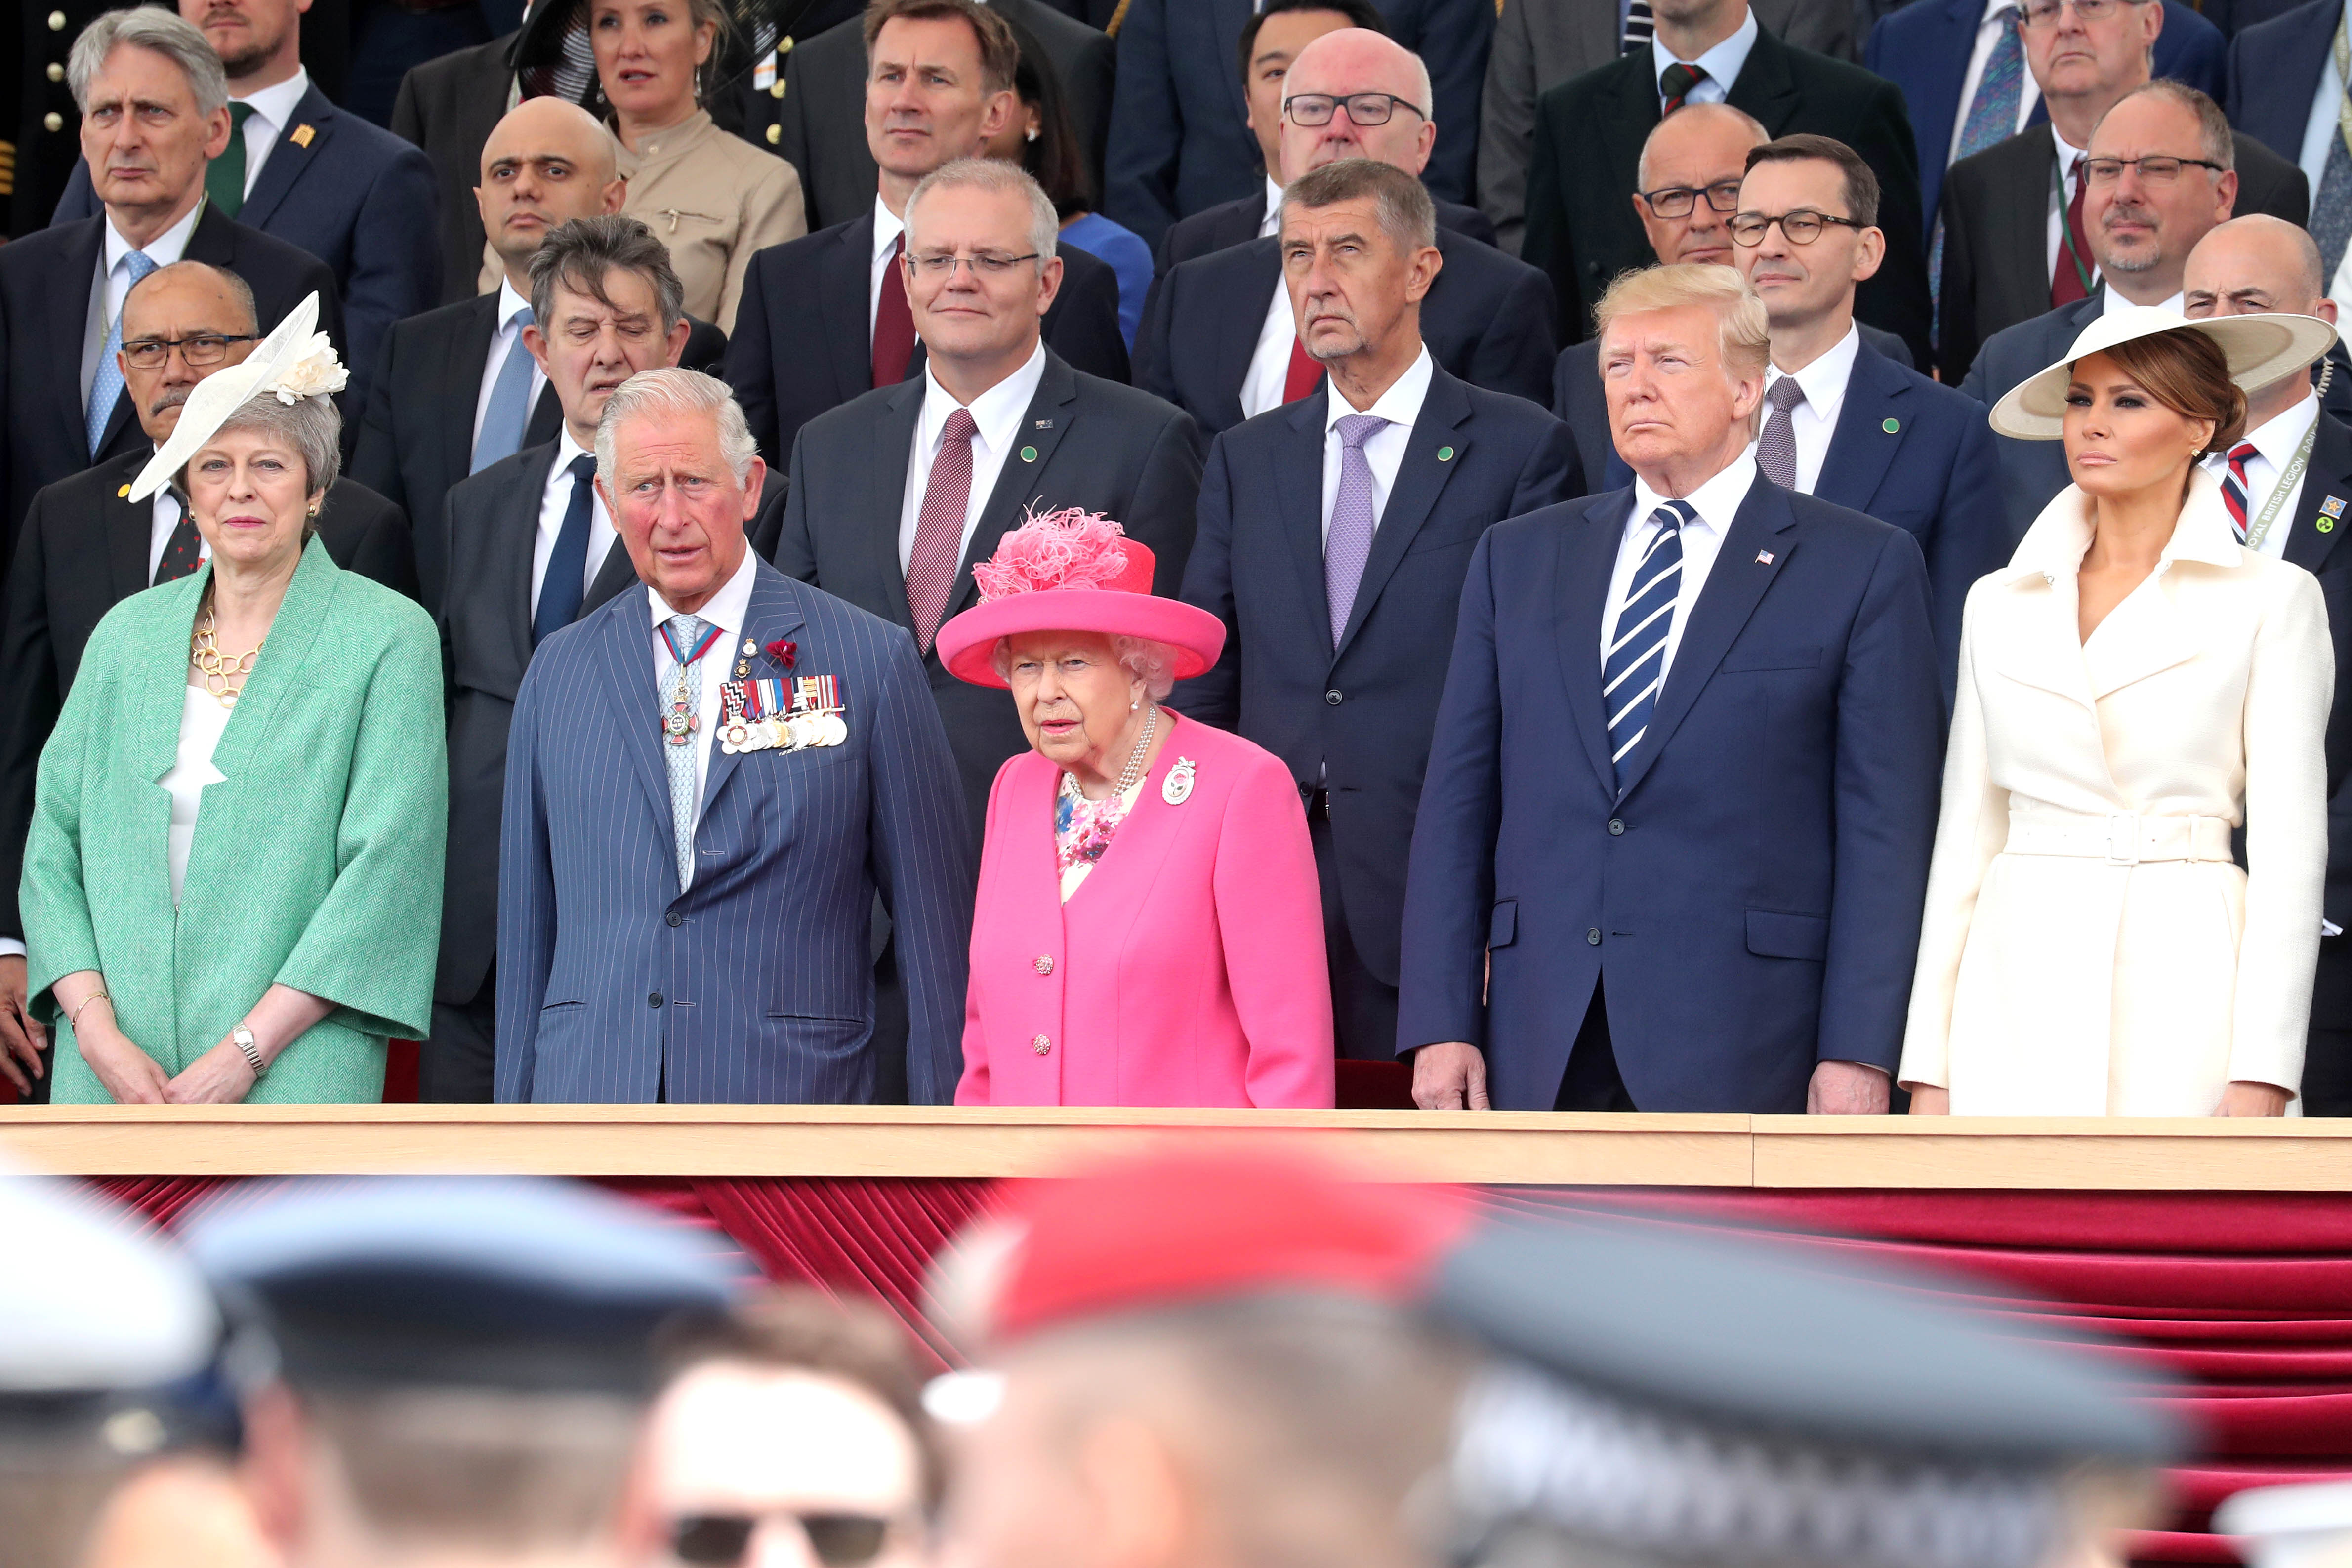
(887, 230)
(997, 413)
(1384, 448)
(113, 282)
(1717, 501)
(1999, 17)
(2319, 125)
(2274, 447)
(1721, 63)
(507, 339)
(159, 532)
(2055, 234)
(726, 610)
(273, 113)
(1271, 224)
(1269, 365)
(2111, 301)
(552, 504)
(1814, 420)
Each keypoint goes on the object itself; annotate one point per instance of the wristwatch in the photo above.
(242, 1039)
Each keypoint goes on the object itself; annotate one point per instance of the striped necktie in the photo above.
(1636, 668)
(1639, 25)
(2233, 486)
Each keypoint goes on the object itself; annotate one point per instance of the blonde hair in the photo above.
(1746, 334)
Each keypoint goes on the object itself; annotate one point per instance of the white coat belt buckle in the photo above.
(2123, 838)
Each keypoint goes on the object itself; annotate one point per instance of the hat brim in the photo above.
(224, 391)
(2260, 349)
(967, 642)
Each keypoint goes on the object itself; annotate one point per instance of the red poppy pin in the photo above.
(784, 652)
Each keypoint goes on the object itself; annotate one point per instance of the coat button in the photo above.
(1044, 964)
(655, 1000)
(1616, 827)
(1332, 698)
(57, 71)
(1041, 1045)
(53, 121)
(676, 918)
(1593, 936)
(775, 134)
(56, 21)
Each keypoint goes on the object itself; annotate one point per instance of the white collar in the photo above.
(1271, 223)
(2278, 439)
(1825, 379)
(1722, 63)
(1717, 500)
(1994, 8)
(997, 412)
(2054, 546)
(275, 103)
(1400, 404)
(2111, 301)
(886, 227)
(163, 250)
(568, 450)
(726, 609)
(508, 303)
(2066, 153)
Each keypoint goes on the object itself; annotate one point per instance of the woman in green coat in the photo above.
(232, 888)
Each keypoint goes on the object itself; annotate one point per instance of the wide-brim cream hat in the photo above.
(2260, 349)
(295, 361)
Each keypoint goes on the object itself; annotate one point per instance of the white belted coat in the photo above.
(2090, 947)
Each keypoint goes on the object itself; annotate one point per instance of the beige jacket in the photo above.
(714, 199)
(2090, 948)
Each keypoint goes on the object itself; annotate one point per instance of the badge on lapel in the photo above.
(2329, 510)
(1177, 787)
(302, 136)
(772, 714)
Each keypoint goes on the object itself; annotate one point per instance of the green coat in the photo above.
(315, 864)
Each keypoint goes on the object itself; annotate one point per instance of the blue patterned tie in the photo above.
(1636, 667)
(508, 413)
(106, 386)
(1349, 544)
(1992, 118)
(565, 583)
(685, 631)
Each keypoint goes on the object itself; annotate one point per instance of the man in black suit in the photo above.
(1348, 588)
(2015, 215)
(825, 85)
(458, 391)
(153, 109)
(1218, 339)
(86, 547)
(862, 521)
(1271, 40)
(823, 318)
(448, 106)
(1583, 199)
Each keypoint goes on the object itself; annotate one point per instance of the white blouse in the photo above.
(202, 722)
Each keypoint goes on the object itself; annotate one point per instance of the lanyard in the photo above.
(2258, 530)
(702, 644)
(2066, 229)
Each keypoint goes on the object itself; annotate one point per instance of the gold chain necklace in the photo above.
(224, 677)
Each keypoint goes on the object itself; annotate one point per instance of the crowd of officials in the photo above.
(975, 556)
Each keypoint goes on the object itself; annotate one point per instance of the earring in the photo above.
(1135, 705)
(1030, 135)
(313, 511)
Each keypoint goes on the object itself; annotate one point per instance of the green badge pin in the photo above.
(1890, 425)
(1028, 454)
(2325, 525)
(1445, 454)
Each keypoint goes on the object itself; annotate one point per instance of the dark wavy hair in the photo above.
(2187, 372)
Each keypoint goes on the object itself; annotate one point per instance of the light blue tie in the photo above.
(1992, 118)
(106, 386)
(1349, 544)
(1636, 668)
(510, 411)
(685, 631)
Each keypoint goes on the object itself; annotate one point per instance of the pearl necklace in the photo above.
(1132, 774)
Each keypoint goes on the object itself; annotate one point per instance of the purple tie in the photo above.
(1350, 543)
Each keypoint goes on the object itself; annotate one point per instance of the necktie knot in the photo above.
(1784, 394)
(1671, 516)
(1675, 82)
(583, 468)
(523, 317)
(238, 114)
(2242, 454)
(687, 629)
(1355, 429)
(960, 426)
(140, 263)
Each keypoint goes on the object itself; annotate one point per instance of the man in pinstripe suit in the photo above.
(685, 921)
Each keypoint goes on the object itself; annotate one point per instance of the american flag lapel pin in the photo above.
(1764, 558)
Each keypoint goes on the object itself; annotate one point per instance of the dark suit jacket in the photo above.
(2327, 1071)
(2031, 471)
(1177, 142)
(1098, 445)
(1581, 227)
(1923, 49)
(83, 551)
(358, 198)
(45, 287)
(805, 342)
(416, 439)
(1237, 223)
(1257, 565)
(2274, 69)
(821, 117)
(1996, 232)
(1488, 320)
(449, 107)
(1752, 895)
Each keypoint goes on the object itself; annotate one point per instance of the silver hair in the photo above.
(1407, 214)
(1152, 663)
(313, 427)
(993, 174)
(158, 31)
(678, 391)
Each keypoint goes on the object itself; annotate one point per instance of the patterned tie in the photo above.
(564, 585)
(894, 322)
(1639, 25)
(1992, 117)
(106, 386)
(1350, 543)
(1306, 373)
(938, 553)
(183, 552)
(2331, 209)
(2233, 487)
(2066, 284)
(1636, 665)
(1776, 449)
(1674, 85)
(508, 413)
(685, 631)
(225, 176)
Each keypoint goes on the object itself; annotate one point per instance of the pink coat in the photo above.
(1187, 970)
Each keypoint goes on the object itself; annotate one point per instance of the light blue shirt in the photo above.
(1722, 64)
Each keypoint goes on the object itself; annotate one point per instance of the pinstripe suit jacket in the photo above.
(756, 984)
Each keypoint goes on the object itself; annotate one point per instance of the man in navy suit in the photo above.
(1675, 835)
(2274, 95)
(300, 170)
(1338, 598)
(686, 881)
(1842, 423)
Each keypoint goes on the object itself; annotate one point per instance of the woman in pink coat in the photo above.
(1149, 929)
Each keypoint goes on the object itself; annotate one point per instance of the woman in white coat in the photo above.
(2135, 686)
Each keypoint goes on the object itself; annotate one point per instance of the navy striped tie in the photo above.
(1636, 667)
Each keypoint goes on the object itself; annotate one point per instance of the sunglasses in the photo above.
(720, 1539)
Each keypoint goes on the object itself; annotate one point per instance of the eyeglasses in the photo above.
(204, 349)
(990, 266)
(2152, 170)
(1677, 200)
(2045, 13)
(1802, 226)
(720, 1539)
(1363, 107)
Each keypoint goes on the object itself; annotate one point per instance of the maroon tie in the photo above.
(1304, 375)
(2066, 284)
(933, 564)
(894, 324)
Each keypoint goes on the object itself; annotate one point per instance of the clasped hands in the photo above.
(220, 1076)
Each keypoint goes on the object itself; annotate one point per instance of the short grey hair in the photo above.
(158, 31)
(1152, 663)
(313, 427)
(580, 254)
(1407, 214)
(993, 174)
(678, 391)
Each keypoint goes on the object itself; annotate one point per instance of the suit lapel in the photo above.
(70, 319)
(1238, 330)
(1421, 479)
(1868, 434)
(289, 157)
(847, 284)
(885, 469)
(615, 577)
(1299, 501)
(1586, 560)
(1765, 88)
(1629, 123)
(2021, 251)
(130, 528)
(469, 357)
(278, 673)
(519, 517)
(775, 612)
(2329, 476)
(623, 640)
(1050, 417)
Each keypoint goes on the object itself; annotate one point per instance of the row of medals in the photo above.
(796, 731)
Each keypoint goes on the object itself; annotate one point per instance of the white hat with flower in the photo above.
(295, 361)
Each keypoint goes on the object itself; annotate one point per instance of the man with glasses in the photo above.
(1487, 319)
(85, 548)
(1847, 425)
(2017, 240)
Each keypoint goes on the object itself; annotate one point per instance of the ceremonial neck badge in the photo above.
(679, 722)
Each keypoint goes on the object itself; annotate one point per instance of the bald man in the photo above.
(2245, 267)
(457, 392)
(1695, 156)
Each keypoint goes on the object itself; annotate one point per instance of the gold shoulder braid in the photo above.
(223, 678)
